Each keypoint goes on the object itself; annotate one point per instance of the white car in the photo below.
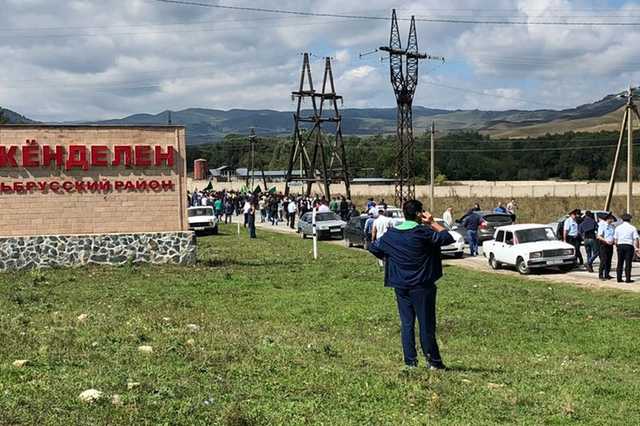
(457, 248)
(202, 218)
(328, 225)
(528, 247)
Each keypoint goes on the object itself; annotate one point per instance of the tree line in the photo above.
(458, 156)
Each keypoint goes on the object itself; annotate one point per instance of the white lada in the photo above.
(528, 247)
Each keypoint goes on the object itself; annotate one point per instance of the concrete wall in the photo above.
(466, 189)
(76, 212)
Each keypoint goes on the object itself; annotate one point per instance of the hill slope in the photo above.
(11, 117)
(210, 125)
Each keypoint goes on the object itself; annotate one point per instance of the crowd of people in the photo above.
(600, 236)
(268, 207)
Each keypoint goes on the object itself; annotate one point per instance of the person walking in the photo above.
(251, 216)
(626, 240)
(471, 223)
(571, 234)
(411, 252)
(292, 208)
(228, 211)
(587, 229)
(605, 237)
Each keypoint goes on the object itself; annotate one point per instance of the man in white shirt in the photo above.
(380, 225)
(323, 208)
(626, 240)
(245, 210)
(447, 216)
(292, 208)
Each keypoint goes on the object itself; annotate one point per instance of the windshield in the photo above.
(201, 212)
(535, 234)
(323, 217)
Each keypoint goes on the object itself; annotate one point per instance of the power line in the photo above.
(380, 18)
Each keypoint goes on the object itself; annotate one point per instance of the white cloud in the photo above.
(90, 60)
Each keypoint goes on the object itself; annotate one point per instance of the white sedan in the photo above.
(202, 219)
(528, 247)
(457, 248)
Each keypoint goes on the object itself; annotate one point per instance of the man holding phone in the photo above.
(411, 252)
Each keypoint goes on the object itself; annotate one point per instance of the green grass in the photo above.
(285, 340)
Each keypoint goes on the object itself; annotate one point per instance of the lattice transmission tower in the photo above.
(404, 79)
(309, 140)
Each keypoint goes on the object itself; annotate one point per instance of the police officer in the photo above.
(626, 239)
(605, 237)
(571, 234)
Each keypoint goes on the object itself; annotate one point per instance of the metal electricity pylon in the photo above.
(630, 109)
(251, 174)
(404, 78)
(309, 141)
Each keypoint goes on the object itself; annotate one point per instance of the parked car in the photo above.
(354, 232)
(457, 248)
(490, 221)
(528, 247)
(202, 219)
(328, 225)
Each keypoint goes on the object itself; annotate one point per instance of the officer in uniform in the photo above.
(626, 240)
(605, 238)
(571, 233)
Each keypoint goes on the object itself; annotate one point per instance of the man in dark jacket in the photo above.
(411, 252)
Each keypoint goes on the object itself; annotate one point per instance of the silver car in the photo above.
(328, 225)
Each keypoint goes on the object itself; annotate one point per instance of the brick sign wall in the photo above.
(62, 180)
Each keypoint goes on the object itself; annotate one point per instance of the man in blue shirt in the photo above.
(471, 223)
(499, 208)
(411, 252)
(571, 233)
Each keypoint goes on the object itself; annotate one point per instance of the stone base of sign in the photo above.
(104, 249)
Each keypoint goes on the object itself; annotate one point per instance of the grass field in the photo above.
(281, 339)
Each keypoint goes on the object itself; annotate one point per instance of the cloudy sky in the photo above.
(97, 59)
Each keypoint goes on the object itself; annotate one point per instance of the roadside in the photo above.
(579, 277)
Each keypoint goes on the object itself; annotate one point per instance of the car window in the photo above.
(500, 236)
(306, 217)
(502, 219)
(200, 212)
(535, 234)
(323, 217)
(508, 238)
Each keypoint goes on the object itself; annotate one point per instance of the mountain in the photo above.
(11, 117)
(211, 125)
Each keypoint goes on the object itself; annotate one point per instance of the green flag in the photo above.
(244, 189)
(257, 190)
(272, 190)
(209, 187)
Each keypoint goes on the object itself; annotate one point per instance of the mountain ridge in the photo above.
(206, 125)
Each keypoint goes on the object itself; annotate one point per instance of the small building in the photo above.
(222, 174)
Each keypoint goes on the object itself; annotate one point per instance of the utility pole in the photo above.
(169, 118)
(432, 167)
(252, 143)
(404, 79)
(308, 146)
(627, 121)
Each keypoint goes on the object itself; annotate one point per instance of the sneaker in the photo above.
(589, 268)
(629, 281)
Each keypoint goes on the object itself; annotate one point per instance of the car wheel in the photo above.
(522, 267)
(495, 265)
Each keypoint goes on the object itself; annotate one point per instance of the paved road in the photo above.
(579, 277)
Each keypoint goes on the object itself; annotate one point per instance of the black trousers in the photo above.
(575, 242)
(606, 253)
(625, 257)
(421, 303)
(292, 220)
